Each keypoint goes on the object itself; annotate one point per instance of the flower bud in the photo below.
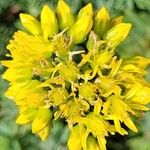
(92, 43)
(30, 23)
(101, 22)
(86, 11)
(48, 22)
(81, 29)
(116, 21)
(65, 15)
(118, 33)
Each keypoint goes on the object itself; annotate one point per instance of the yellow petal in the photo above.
(30, 23)
(117, 90)
(42, 119)
(97, 107)
(142, 96)
(35, 99)
(92, 144)
(65, 15)
(119, 128)
(138, 107)
(136, 88)
(140, 62)
(101, 22)
(118, 33)
(115, 68)
(129, 123)
(106, 106)
(103, 58)
(48, 22)
(102, 143)
(15, 75)
(74, 142)
(84, 141)
(132, 68)
(26, 116)
(44, 133)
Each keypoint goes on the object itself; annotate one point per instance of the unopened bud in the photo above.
(116, 21)
(86, 11)
(101, 22)
(48, 22)
(65, 15)
(81, 29)
(30, 23)
(118, 33)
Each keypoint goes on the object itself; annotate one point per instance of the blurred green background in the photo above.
(14, 137)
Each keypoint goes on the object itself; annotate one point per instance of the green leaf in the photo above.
(4, 143)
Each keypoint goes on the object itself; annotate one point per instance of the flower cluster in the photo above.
(65, 66)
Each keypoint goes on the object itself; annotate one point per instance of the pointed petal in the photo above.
(44, 133)
(129, 123)
(102, 143)
(92, 144)
(26, 116)
(97, 107)
(42, 119)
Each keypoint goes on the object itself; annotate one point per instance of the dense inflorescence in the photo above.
(66, 67)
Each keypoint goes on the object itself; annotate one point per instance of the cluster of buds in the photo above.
(65, 66)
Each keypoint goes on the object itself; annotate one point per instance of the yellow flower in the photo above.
(94, 124)
(87, 91)
(117, 110)
(52, 77)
